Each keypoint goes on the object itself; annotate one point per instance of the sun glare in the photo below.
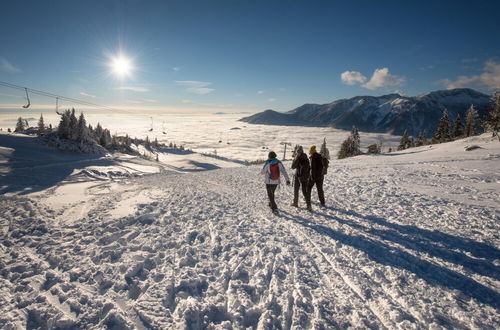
(121, 66)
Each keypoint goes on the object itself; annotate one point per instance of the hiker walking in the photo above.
(317, 175)
(301, 178)
(272, 170)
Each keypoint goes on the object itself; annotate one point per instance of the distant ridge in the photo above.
(392, 113)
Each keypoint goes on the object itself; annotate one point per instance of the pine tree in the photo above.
(64, 128)
(458, 128)
(170, 145)
(98, 132)
(147, 143)
(492, 122)
(470, 121)
(49, 129)
(422, 139)
(155, 143)
(83, 134)
(442, 133)
(350, 146)
(20, 125)
(324, 152)
(73, 126)
(105, 139)
(405, 142)
(356, 141)
(41, 126)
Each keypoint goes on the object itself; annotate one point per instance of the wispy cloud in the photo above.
(208, 105)
(260, 92)
(382, 78)
(195, 87)
(138, 89)
(8, 67)
(176, 69)
(352, 77)
(427, 67)
(489, 78)
(87, 95)
(271, 99)
(469, 60)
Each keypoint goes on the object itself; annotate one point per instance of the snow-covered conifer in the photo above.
(458, 128)
(442, 133)
(356, 140)
(324, 152)
(350, 146)
(492, 122)
(73, 126)
(105, 139)
(64, 128)
(41, 126)
(405, 141)
(422, 139)
(20, 125)
(470, 121)
(147, 143)
(83, 134)
(98, 132)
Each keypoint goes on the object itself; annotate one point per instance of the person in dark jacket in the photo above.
(302, 172)
(317, 175)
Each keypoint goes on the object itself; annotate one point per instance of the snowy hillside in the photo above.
(408, 240)
(391, 113)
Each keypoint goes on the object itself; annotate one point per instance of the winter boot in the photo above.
(294, 204)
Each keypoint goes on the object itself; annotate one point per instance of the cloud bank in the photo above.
(489, 79)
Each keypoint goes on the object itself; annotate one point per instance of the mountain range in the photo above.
(392, 113)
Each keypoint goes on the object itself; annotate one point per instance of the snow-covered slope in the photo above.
(391, 113)
(408, 240)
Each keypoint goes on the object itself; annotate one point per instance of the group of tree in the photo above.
(449, 131)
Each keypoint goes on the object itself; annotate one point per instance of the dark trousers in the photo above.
(271, 188)
(297, 184)
(319, 186)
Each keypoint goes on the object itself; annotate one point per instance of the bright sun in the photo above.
(121, 66)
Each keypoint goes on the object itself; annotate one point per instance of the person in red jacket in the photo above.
(317, 175)
(272, 172)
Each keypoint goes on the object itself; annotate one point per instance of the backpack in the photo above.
(274, 171)
(325, 165)
(304, 169)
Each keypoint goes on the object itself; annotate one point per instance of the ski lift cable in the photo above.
(57, 97)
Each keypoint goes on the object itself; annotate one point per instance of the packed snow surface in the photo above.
(408, 240)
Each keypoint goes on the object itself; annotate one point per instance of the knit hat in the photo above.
(300, 150)
(312, 150)
(271, 154)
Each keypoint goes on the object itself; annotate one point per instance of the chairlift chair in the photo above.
(27, 98)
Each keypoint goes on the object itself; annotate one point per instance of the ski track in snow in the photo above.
(407, 244)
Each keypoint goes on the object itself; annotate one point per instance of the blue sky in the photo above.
(245, 55)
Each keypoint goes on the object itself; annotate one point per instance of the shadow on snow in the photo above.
(34, 167)
(434, 243)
